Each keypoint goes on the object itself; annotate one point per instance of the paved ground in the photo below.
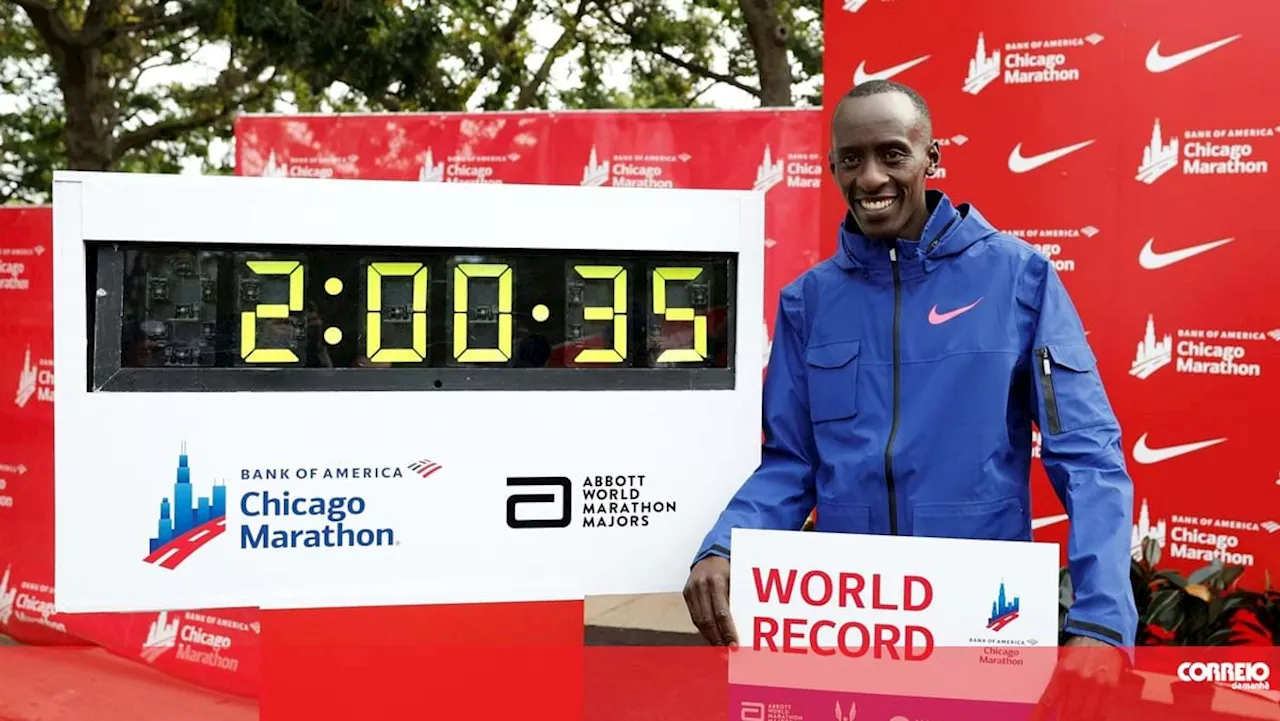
(645, 620)
(83, 683)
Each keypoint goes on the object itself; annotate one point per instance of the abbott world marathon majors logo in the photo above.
(631, 171)
(1203, 538)
(602, 501)
(1049, 243)
(1208, 352)
(463, 168)
(1025, 62)
(195, 637)
(1208, 152)
(273, 518)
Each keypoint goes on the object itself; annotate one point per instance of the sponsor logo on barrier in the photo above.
(607, 502)
(34, 381)
(188, 522)
(630, 171)
(1151, 259)
(1049, 243)
(1146, 455)
(796, 170)
(320, 166)
(194, 637)
(1159, 62)
(1019, 163)
(25, 602)
(1026, 62)
(1212, 151)
(1201, 538)
(7, 596)
(861, 75)
(6, 492)
(1240, 675)
(1210, 352)
(463, 168)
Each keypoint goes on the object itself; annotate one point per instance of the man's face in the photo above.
(881, 153)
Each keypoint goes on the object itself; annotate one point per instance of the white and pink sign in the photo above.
(882, 627)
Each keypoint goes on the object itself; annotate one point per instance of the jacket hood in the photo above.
(949, 231)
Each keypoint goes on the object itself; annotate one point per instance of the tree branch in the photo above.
(529, 93)
(46, 20)
(695, 68)
(174, 128)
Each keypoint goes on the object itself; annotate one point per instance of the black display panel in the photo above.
(278, 318)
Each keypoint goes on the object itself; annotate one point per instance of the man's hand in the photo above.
(707, 596)
(1087, 674)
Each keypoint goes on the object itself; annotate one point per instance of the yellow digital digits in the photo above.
(462, 275)
(617, 313)
(679, 355)
(373, 335)
(249, 350)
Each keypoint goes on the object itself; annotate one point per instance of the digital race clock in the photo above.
(283, 392)
(180, 317)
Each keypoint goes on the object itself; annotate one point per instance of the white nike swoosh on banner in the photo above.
(1019, 164)
(1037, 523)
(1158, 63)
(860, 74)
(1152, 260)
(1146, 455)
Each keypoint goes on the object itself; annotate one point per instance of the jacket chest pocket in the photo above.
(832, 371)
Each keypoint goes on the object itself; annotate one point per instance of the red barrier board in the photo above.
(1097, 131)
(215, 649)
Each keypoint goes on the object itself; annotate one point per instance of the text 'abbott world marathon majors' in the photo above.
(282, 507)
(603, 501)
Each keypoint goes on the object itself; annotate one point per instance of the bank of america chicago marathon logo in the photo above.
(1212, 352)
(1202, 538)
(1049, 243)
(1025, 62)
(630, 170)
(35, 380)
(606, 501)
(1206, 151)
(463, 168)
(195, 636)
(1005, 609)
(188, 522)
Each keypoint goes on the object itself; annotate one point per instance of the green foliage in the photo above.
(91, 84)
(1205, 608)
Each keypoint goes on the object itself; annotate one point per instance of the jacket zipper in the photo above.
(1046, 389)
(897, 381)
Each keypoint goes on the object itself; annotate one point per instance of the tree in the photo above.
(91, 93)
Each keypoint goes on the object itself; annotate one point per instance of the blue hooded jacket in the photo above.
(899, 398)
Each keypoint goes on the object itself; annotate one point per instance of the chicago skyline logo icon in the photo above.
(1004, 610)
(187, 522)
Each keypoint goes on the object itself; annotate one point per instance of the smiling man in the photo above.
(905, 376)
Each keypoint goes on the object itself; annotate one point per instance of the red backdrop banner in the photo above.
(1097, 131)
(216, 649)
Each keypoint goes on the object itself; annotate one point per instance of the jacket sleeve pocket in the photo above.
(1070, 388)
(832, 371)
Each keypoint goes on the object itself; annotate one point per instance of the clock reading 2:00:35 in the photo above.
(316, 318)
